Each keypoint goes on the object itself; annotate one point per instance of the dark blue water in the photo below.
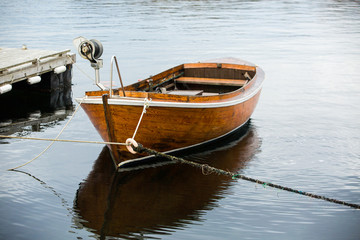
(304, 134)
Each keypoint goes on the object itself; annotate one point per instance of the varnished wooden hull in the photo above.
(171, 122)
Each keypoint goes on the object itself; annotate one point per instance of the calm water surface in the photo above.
(304, 133)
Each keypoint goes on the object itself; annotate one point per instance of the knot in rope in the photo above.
(146, 104)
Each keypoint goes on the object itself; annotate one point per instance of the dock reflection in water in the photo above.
(158, 199)
(32, 106)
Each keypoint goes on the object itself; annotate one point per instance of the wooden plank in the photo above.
(212, 81)
(160, 77)
(11, 58)
(209, 94)
(220, 65)
(239, 67)
(186, 92)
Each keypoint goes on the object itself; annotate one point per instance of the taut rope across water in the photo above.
(204, 167)
(209, 169)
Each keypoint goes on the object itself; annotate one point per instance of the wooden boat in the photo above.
(186, 106)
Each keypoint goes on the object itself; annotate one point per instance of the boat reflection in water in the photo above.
(155, 200)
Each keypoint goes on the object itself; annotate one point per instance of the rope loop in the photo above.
(130, 143)
(146, 104)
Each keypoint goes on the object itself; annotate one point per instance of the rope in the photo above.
(45, 185)
(63, 140)
(54, 140)
(206, 169)
(83, 72)
(146, 105)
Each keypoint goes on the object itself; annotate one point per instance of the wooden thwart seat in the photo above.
(186, 92)
(212, 81)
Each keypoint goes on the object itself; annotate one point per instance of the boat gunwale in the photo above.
(156, 103)
(182, 101)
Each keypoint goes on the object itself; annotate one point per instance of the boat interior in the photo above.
(197, 80)
(191, 80)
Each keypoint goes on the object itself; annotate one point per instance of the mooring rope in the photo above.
(54, 140)
(146, 106)
(82, 71)
(131, 141)
(206, 169)
(63, 140)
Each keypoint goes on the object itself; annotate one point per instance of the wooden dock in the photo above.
(24, 64)
(34, 81)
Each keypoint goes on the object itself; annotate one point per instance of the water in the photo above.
(304, 133)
